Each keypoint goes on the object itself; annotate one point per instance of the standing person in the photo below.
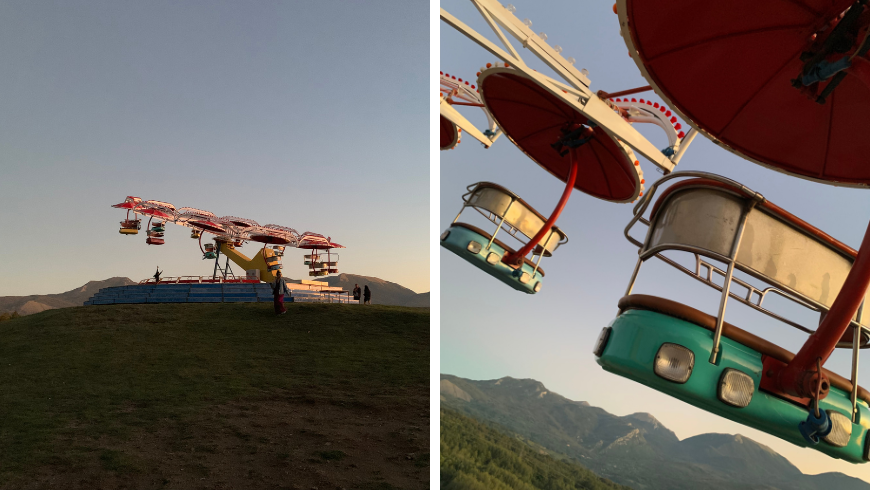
(157, 274)
(356, 293)
(367, 295)
(279, 290)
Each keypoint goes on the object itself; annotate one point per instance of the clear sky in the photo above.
(311, 115)
(488, 330)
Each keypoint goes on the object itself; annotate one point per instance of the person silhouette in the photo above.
(279, 290)
(367, 295)
(157, 274)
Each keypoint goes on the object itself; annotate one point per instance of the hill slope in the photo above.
(183, 395)
(634, 450)
(475, 456)
(28, 305)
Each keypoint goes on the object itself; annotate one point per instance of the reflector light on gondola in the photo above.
(474, 247)
(493, 258)
(674, 362)
(735, 388)
(841, 431)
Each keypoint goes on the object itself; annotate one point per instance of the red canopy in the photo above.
(126, 205)
(317, 242)
(449, 134)
(207, 226)
(268, 238)
(533, 119)
(153, 212)
(727, 68)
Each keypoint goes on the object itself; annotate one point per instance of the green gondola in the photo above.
(713, 365)
(485, 251)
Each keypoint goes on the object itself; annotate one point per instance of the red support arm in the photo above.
(800, 377)
(515, 259)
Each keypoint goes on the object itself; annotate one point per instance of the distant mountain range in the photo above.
(28, 305)
(383, 293)
(635, 450)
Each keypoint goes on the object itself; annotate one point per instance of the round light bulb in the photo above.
(510, 8)
(542, 36)
(527, 22)
(584, 71)
(571, 60)
(557, 48)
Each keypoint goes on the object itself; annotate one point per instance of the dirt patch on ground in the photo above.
(271, 444)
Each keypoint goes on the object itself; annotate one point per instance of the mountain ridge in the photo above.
(383, 292)
(635, 450)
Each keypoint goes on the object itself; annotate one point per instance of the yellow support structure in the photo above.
(258, 262)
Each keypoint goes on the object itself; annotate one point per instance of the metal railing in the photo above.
(752, 292)
(198, 280)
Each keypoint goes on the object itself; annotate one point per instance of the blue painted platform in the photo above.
(186, 293)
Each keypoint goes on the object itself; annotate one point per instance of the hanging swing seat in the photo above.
(668, 346)
(209, 255)
(128, 231)
(513, 218)
(154, 241)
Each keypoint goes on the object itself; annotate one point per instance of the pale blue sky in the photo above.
(312, 115)
(489, 330)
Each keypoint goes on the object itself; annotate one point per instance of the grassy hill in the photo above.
(634, 450)
(215, 396)
(475, 456)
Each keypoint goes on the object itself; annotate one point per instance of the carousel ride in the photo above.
(583, 138)
(229, 233)
(788, 77)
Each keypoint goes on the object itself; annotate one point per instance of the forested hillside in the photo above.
(475, 456)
